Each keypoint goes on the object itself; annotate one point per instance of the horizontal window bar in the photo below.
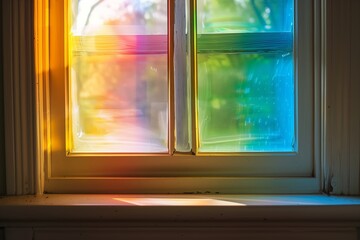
(157, 44)
(245, 42)
(120, 44)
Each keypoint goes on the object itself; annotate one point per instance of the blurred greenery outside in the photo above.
(245, 99)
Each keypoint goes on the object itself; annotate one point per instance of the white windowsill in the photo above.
(226, 210)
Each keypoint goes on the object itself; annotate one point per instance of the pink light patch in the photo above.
(178, 202)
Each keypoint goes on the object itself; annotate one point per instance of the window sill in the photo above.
(179, 210)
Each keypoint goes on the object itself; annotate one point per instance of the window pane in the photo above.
(246, 102)
(246, 88)
(228, 16)
(118, 80)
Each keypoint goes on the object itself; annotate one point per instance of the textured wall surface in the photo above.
(18, 93)
(342, 161)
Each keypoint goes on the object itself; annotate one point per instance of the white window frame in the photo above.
(182, 172)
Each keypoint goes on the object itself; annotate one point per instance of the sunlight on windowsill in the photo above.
(177, 200)
(142, 201)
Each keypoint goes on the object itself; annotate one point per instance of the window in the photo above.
(144, 98)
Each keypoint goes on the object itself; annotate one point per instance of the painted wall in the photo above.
(342, 165)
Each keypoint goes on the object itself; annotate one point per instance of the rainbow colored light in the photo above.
(118, 80)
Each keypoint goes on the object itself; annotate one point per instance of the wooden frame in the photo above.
(123, 173)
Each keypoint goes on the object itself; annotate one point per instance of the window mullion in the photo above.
(182, 113)
(170, 61)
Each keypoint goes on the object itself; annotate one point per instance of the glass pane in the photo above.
(118, 81)
(246, 102)
(122, 17)
(246, 89)
(236, 16)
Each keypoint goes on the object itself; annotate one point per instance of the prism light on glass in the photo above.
(118, 79)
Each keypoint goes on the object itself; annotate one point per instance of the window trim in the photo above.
(216, 178)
